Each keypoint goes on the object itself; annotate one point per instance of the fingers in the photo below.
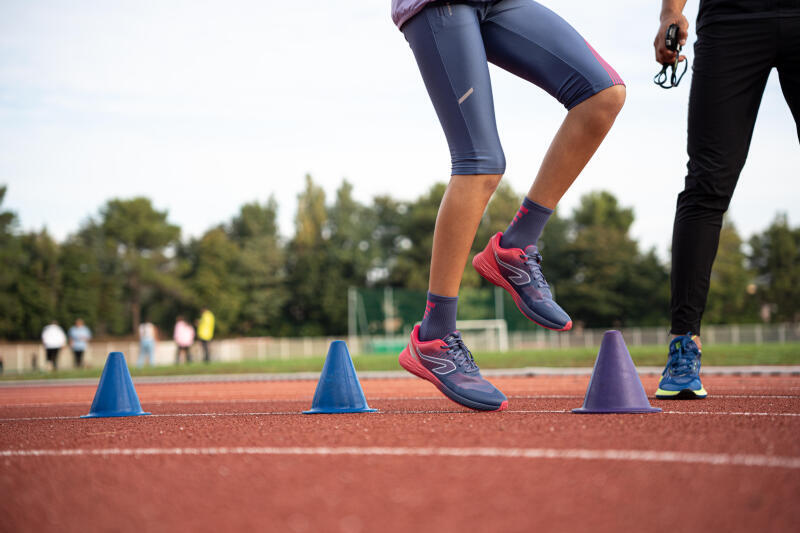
(665, 56)
(683, 29)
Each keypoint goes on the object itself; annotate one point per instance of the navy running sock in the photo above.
(440, 317)
(527, 225)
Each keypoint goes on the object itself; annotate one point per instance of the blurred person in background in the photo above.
(148, 334)
(205, 331)
(53, 338)
(79, 336)
(183, 335)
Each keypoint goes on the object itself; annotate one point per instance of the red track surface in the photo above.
(509, 471)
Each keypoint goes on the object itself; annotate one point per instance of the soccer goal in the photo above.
(379, 319)
(489, 335)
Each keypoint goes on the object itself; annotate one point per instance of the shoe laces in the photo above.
(534, 263)
(459, 352)
(684, 357)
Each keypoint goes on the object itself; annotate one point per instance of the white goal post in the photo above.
(490, 335)
(485, 335)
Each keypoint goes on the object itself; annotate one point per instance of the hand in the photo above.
(663, 55)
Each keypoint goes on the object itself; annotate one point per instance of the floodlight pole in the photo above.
(352, 321)
(499, 312)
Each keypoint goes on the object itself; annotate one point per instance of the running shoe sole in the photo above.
(684, 394)
(488, 269)
(408, 362)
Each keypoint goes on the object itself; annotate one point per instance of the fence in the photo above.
(22, 357)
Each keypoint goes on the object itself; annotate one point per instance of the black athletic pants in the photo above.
(206, 353)
(78, 358)
(731, 65)
(185, 349)
(52, 356)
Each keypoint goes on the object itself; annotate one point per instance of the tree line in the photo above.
(129, 262)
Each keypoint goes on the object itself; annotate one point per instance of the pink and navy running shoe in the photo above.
(448, 364)
(520, 273)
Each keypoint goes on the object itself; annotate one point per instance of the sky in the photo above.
(206, 105)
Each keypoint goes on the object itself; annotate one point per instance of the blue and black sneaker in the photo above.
(681, 377)
(448, 364)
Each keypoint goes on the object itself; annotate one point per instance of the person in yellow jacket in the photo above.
(205, 331)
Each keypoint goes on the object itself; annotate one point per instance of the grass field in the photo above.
(718, 355)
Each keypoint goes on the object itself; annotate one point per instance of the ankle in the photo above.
(527, 225)
(440, 317)
(695, 338)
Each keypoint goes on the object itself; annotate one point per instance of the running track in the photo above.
(239, 456)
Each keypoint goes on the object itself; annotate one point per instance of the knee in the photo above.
(602, 108)
(612, 99)
(488, 183)
(482, 184)
(704, 198)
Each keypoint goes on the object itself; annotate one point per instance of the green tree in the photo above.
(260, 270)
(11, 257)
(351, 254)
(776, 259)
(105, 276)
(135, 239)
(38, 282)
(414, 240)
(307, 263)
(610, 282)
(729, 301)
(80, 291)
(210, 277)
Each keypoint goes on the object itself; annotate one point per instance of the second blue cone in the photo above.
(338, 389)
(116, 395)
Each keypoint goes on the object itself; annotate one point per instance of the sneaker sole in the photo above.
(684, 394)
(412, 365)
(488, 270)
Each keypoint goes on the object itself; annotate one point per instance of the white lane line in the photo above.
(249, 413)
(395, 412)
(724, 413)
(790, 397)
(710, 397)
(728, 413)
(714, 459)
(253, 400)
(395, 398)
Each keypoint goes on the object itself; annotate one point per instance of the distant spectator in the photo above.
(147, 342)
(205, 331)
(79, 335)
(53, 338)
(184, 338)
(1, 365)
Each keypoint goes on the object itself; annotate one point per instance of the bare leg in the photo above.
(582, 131)
(459, 216)
(465, 199)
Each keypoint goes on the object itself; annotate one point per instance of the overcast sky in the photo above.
(205, 105)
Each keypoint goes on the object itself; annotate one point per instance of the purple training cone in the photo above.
(615, 386)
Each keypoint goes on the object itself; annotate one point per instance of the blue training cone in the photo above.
(338, 389)
(615, 386)
(115, 394)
